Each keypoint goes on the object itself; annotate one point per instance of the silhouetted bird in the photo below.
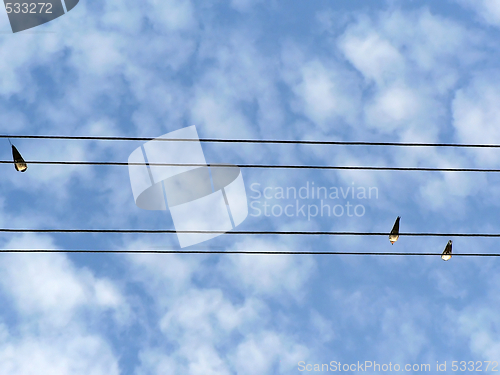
(19, 162)
(447, 251)
(393, 237)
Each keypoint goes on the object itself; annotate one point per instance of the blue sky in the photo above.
(409, 71)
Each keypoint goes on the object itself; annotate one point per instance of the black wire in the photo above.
(238, 252)
(231, 252)
(301, 233)
(266, 166)
(271, 141)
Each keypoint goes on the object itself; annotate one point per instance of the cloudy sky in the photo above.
(353, 70)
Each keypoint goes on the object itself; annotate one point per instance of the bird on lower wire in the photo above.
(19, 162)
(394, 235)
(447, 251)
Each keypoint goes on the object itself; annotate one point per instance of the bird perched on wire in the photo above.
(447, 251)
(394, 235)
(19, 162)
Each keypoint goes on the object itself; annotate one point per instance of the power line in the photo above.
(263, 141)
(263, 166)
(300, 233)
(241, 252)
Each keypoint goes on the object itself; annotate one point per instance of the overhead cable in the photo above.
(262, 141)
(263, 166)
(240, 252)
(300, 233)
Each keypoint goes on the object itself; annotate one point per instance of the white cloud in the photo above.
(373, 55)
(100, 53)
(259, 353)
(170, 277)
(446, 283)
(402, 325)
(476, 116)
(411, 58)
(323, 326)
(213, 329)
(236, 96)
(12, 120)
(204, 312)
(54, 302)
(325, 93)
(79, 354)
(154, 362)
(393, 108)
(487, 10)
(173, 15)
(50, 288)
(431, 43)
(271, 275)
(448, 191)
(478, 322)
